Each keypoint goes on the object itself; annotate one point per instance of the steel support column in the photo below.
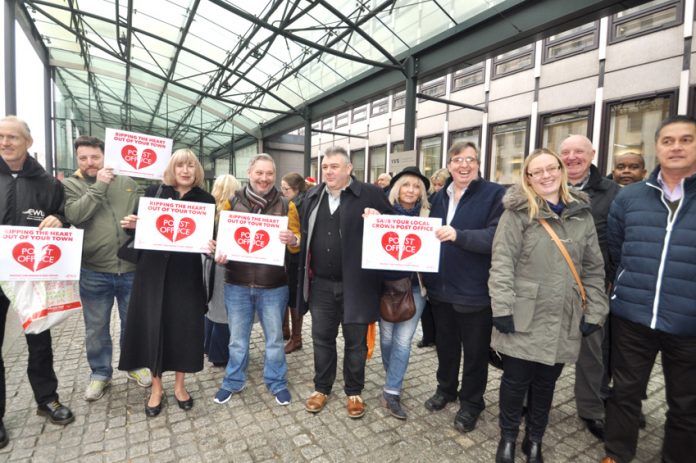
(48, 120)
(10, 61)
(307, 145)
(410, 104)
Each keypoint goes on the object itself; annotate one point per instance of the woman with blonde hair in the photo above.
(217, 333)
(540, 308)
(164, 327)
(408, 195)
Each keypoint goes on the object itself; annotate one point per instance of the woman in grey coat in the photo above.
(538, 314)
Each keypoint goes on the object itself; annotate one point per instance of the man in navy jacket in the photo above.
(470, 208)
(652, 225)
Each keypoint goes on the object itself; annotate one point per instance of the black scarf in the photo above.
(257, 202)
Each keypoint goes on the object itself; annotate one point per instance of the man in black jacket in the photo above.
(332, 284)
(591, 369)
(29, 197)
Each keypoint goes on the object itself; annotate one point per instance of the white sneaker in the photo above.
(95, 389)
(141, 376)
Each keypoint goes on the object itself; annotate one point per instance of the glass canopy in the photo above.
(206, 72)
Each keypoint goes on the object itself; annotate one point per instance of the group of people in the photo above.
(526, 273)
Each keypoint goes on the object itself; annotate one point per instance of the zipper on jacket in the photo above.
(671, 218)
(113, 216)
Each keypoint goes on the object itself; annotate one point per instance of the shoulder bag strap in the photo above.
(564, 251)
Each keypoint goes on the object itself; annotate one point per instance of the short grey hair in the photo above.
(337, 151)
(261, 157)
(23, 124)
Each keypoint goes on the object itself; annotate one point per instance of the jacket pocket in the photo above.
(576, 315)
(525, 302)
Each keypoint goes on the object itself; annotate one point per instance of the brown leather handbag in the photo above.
(397, 304)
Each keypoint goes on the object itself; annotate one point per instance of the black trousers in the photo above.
(470, 332)
(326, 306)
(634, 348)
(428, 323)
(538, 382)
(40, 366)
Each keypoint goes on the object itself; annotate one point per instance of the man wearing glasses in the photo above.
(591, 369)
(470, 208)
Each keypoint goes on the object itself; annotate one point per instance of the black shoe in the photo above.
(596, 427)
(642, 423)
(423, 343)
(56, 412)
(465, 421)
(506, 451)
(393, 403)
(437, 402)
(152, 412)
(532, 450)
(185, 404)
(4, 439)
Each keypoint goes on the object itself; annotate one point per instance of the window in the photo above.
(571, 42)
(378, 162)
(435, 88)
(357, 158)
(471, 135)
(508, 148)
(342, 119)
(360, 113)
(399, 100)
(314, 169)
(513, 61)
(397, 147)
(316, 126)
(648, 17)
(430, 154)
(380, 106)
(556, 127)
(632, 127)
(327, 124)
(467, 77)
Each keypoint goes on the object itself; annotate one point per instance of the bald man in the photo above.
(591, 369)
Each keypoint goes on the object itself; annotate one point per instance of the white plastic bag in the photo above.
(43, 304)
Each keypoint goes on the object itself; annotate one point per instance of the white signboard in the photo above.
(398, 242)
(136, 154)
(400, 160)
(253, 238)
(169, 225)
(30, 254)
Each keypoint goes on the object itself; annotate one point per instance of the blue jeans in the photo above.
(269, 303)
(395, 341)
(97, 291)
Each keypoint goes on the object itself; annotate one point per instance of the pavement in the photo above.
(251, 427)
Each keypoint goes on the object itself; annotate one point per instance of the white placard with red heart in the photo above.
(51, 254)
(253, 238)
(399, 242)
(136, 154)
(178, 226)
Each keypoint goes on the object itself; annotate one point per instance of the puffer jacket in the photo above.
(656, 255)
(530, 279)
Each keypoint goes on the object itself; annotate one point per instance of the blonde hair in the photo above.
(535, 202)
(180, 157)
(224, 187)
(396, 187)
(440, 176)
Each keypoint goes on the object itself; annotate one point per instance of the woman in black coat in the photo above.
(164, 326)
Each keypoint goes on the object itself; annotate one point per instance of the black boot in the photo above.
(506, 451)
(532, 450)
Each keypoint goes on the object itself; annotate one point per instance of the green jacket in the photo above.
(530, 279)
(97, 208)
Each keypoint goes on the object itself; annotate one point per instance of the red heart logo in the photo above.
(165, 225)
(25, 255)
(390, 243)
(129, 153)
(185, 229)
(412, 244)
(147, 158)
(241, 237)
(261, 240)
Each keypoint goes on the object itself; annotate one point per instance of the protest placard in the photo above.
(136, 154)
(30, 254)
(252, 238)
(398, 242)
(169, 225)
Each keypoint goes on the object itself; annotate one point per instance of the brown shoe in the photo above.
(295, 342)
(608, 460)
(315, 403)
(355, 407)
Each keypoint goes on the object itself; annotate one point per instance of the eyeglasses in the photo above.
(463, 160)
(539, 173)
